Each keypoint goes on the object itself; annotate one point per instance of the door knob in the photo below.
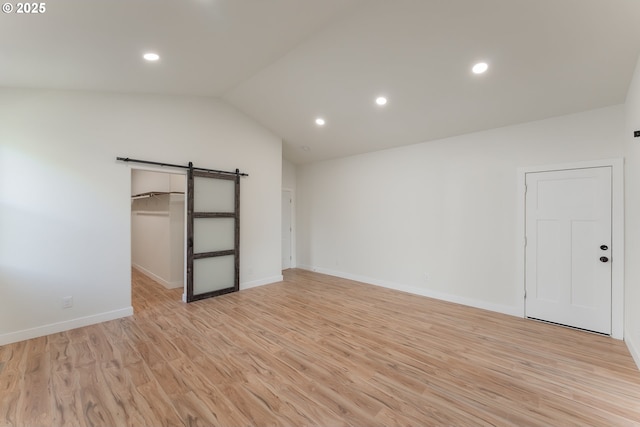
(604, 259)
(604, 247)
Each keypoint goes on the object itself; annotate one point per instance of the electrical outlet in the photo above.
(67, 302)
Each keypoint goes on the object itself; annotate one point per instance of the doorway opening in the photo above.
(158, 226)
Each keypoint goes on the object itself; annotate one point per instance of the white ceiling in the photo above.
(286, 62)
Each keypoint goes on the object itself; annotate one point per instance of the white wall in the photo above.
(632, 218)
(288, 175)
(439, 218)
(177, 229)
(65, 201)
(151, 245)
(145, 181)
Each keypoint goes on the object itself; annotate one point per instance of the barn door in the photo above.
(213, 234)
(568, 247)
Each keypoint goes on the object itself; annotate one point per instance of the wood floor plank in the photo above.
(316, 350)
(14, 359)
(99, 407)
(192, 410)
(9, 408)
(68, 410)
(164, 413)
(136, 409)
(36, 404)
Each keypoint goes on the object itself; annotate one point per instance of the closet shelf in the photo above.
(152, 213)
(154, 193)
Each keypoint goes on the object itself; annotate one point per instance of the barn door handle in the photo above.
(604, 259)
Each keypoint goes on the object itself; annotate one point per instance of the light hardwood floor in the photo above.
(319, 351)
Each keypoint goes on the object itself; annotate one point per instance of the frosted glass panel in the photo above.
(213, 195)
(213, 234)
(213, 274)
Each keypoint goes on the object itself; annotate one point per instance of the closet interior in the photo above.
(158, 226)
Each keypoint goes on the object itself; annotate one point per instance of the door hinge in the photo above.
(525, 241)
(525, 294)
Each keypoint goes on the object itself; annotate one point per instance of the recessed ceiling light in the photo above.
(480, 68)
(151, 56)
(320, 121)
(381, 100)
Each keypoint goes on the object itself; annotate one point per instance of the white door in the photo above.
(286, 229)
(568, 247)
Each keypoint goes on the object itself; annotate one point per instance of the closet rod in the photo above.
(147, 162)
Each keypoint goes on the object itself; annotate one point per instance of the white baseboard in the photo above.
(54, 328)
(634, 349)
(261, 282)
(510, 310)
(168, 285)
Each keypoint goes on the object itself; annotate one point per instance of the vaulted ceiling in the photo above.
(287, 62)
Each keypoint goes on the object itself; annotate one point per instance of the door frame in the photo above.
(173, 171)
(617, 233)
(292, 215)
